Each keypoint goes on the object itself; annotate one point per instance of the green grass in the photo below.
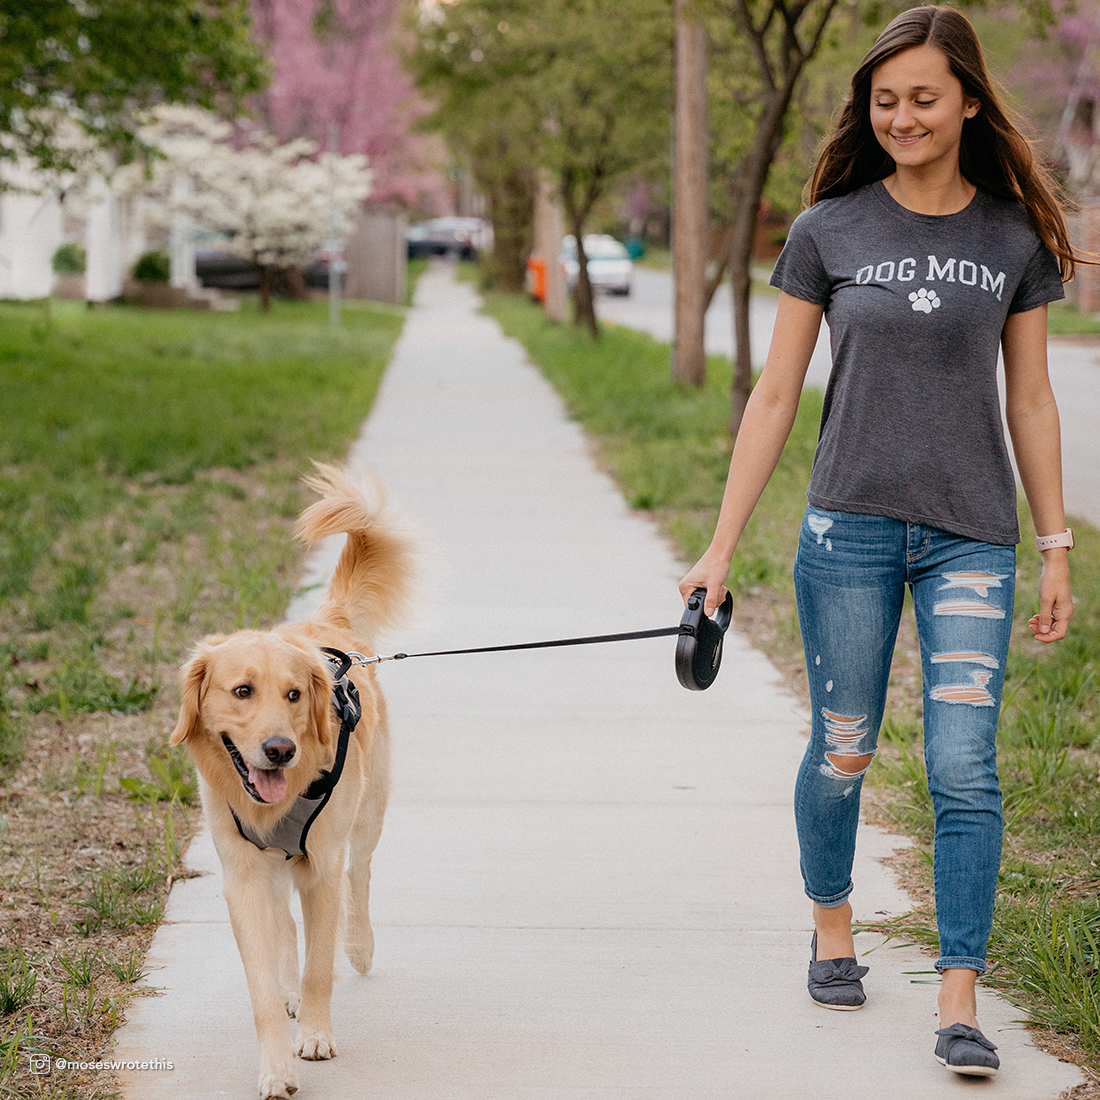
(667, 446)
(415, 269)
(110, 392)
(105, 408)
(1064, 319)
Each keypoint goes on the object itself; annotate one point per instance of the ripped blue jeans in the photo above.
(850, 575)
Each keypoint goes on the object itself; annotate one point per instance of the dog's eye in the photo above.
(242, 692)
(294, 695)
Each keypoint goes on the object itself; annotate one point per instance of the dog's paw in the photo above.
(315, 1046)
(278, 1084)
(291, 1000)
(360, 955)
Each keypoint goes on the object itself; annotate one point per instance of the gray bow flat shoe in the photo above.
(835, 983)
(966, 1050)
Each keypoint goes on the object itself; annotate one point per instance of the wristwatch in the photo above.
(1049, 542)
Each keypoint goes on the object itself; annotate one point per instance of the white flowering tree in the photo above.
(276, 204)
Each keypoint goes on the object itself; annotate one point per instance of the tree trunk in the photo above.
(576, 211)
(689, 210)
(584, 305)
(513, 213)
(266, 277)
(549, 231)
(741, 288)
(779, 72)
(746, 195)
(580, 188)
(721, 256)
(295, 280)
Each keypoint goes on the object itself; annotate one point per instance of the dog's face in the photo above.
(256, 710)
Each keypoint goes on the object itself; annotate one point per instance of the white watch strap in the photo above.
(1049, 542)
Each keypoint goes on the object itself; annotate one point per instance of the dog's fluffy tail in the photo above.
(372, 583)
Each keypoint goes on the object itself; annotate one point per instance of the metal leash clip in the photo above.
(699, 647)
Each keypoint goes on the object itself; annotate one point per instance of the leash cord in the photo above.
(661, 632)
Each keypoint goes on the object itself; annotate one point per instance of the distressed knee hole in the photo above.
(845, 766)
(975, 694)
(966, 656)
(844, 730)
(980, 583)
(973, 609)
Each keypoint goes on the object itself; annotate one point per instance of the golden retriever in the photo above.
(258, 716)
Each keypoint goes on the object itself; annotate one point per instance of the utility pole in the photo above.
(549, 231)
(334, 247)
(689, 197)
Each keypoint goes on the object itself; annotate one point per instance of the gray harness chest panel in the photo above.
(290, 831)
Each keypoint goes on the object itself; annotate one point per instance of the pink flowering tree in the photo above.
(1058, 79)
(336, 62)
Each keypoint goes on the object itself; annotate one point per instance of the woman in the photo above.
(931, 239)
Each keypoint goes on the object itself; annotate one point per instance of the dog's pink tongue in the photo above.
(270, 784)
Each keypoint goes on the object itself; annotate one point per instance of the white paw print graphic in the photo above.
(924, 301)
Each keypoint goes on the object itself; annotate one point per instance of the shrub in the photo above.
(70, 259)
(153, 267)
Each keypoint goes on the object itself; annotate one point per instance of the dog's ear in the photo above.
(320, 703)
(192, 683)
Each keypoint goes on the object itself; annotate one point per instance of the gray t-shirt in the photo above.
(916, 304)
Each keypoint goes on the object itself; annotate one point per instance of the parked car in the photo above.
(461, 237)
(609, 264)
(224, 270)
(228, 271)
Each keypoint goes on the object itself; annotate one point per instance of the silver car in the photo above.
(609, 264)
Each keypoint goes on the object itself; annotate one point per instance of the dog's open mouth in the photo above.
(265, 785)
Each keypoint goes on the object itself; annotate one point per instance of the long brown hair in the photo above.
(993, 154)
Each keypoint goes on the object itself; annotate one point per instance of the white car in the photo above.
(609, 264)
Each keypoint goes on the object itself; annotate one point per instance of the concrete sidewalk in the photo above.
(587, 885)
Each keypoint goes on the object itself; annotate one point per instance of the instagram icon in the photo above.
(40, 1063)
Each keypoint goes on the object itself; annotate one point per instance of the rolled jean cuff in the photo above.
(835, 901)
(959, 962)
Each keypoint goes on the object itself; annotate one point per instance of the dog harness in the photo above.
(290, 831)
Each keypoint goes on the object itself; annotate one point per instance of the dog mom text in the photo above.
(949, 271)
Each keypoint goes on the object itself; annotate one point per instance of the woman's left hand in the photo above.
(1055, 600)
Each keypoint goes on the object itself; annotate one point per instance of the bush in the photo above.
(153, 267)
(70, 259)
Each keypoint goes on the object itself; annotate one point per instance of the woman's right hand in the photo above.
(709, 572)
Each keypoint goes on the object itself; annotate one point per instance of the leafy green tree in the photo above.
(484, 112)
(581, 88)
(97, 63)
(768, 44)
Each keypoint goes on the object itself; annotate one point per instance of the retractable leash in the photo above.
(698, 644)
(698, 657)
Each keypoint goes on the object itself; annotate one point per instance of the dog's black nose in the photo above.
(279, 750)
